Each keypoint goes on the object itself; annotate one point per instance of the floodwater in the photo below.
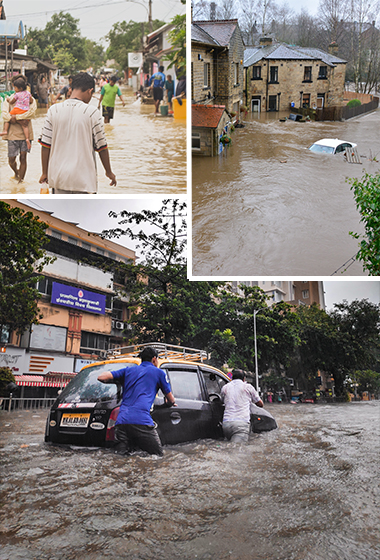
(148, 154)
(270, 207)
(306, 491)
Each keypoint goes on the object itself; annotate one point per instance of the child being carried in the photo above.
(21, 100)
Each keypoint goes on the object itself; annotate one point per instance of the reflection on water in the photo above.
(148, 154)
(307, 491)
(269, 207)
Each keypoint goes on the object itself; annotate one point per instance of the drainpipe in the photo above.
(267, 88)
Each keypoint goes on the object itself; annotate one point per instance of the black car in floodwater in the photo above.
(86, 410)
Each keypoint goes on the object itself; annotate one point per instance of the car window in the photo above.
(319, 148)
(213, 381)
(85, 386)
(185, 383)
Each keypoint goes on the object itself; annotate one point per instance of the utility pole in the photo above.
(150, 17)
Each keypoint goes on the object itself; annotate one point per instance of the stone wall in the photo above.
(291, 86)
(200, 57)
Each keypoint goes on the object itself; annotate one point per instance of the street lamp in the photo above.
(255, 312)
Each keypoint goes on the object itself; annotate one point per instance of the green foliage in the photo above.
(367, 196)
(177, 37)
(62, 43)
(367, 380)
(125, 37)
(354, 103)
(6, 376)
(22, 237)
(165, 305)
(222, 345)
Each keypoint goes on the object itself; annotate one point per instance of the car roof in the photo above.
(133, 360)
(331, 142)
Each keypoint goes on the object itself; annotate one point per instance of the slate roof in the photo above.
(198, 35)
(207, 116)
(281, 51)
(220, 30)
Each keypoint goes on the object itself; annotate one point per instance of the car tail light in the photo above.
(110, 435)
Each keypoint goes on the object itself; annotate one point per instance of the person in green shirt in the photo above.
(107, 99)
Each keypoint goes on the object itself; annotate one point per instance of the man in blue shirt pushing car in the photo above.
(134, 426)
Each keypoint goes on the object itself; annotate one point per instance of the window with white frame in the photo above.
(196, 141)
(206, 75)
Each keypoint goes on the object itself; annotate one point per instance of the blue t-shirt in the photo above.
(159, 79)
(140, 386)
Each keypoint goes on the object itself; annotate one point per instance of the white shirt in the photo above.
(237, 397)
(73, 130)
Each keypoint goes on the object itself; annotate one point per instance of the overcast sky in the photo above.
(96, 17)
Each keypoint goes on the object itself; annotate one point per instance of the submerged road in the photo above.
(306, 491)
(148, 154)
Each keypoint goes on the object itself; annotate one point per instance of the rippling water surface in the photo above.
(268, 206)
(307, 491)
(148, 154)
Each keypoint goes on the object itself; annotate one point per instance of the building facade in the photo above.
(217, 56)
(83, 314)
(295, 292)
(279, 77)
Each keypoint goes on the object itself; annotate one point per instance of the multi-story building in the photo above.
(83, 313)
(279, 76)
(217, 77)
(295, 292)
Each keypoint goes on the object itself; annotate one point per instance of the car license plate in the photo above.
(78, 420)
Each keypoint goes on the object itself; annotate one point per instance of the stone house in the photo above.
(217, 55)
(279, 76)
(209, 123)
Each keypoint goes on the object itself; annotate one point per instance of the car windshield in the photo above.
(319, 148)
(86, 388)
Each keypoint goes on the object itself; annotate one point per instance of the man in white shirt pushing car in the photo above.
(237, 397)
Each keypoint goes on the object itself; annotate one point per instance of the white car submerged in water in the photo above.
(331, 146)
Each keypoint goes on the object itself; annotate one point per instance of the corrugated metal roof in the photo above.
(11, 29)
(37, 381)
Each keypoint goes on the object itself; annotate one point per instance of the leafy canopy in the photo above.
(22, 237)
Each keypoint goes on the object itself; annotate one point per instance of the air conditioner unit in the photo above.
(119, 325)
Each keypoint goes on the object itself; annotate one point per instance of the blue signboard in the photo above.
(78, 299)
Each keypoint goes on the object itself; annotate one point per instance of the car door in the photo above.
(214, 382)
(192, 417)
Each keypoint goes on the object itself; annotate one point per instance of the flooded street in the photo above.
(148, 154)
(270, 207)
(307, 491)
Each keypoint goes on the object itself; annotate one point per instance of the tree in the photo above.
(367, 196)
(125, 37)
(22, 237)
(60, 40)
(165, 305)
(177, 37)
(222, 346)
(7, 379)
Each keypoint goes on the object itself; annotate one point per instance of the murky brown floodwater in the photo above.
(254, 215)
(307, 491)
(148, 154)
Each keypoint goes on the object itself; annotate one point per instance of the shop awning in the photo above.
(39, 381)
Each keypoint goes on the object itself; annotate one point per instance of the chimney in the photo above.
(266, 41)
(213, 11)
(333, 48)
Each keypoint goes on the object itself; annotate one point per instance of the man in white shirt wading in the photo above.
(72, 133)
(237, 397)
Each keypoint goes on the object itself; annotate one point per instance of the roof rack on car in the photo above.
(168, 351)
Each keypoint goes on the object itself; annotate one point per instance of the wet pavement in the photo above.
(307, 491)
(148, 154)
(270, 207)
